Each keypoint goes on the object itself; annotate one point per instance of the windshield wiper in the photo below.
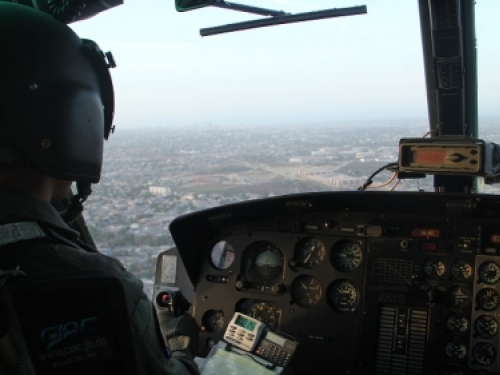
(284, 19)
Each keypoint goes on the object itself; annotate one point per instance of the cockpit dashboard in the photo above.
(366, 282)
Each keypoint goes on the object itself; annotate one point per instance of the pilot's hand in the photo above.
(180, 332)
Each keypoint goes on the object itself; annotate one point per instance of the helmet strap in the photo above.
(75, 208)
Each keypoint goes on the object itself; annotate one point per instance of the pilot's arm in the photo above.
(181, 334)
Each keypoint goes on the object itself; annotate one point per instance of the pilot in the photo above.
(56, 109)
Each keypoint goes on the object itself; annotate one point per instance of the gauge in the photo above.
(306, 291)
(484, 354)
(309, 252)
(456, 350)
(486, 326)
(342, 295)
(347, 256)
(457, 323)
(434, 267)
(460, 297)
(222, 255)
(461, 270)
(488, 299)
(264, 313)
(213, 320)
(489, 272)
(262, 264)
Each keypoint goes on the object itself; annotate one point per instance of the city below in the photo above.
(151, 176)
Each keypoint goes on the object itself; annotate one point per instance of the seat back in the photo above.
(75, 324)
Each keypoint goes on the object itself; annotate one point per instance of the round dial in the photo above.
(484, 353)
(342, 295)
(486, 326)
(488, 299)
(489, 272)
(222, 255)
(213, 320)
(347, 256)
(306, 291)
(457, 323)
(309, 252)
(434, 267)
(264, 313)
(456, 350)
(460, 297)
(262, 264)
(461, 270)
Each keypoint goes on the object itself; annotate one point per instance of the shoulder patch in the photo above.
(22, 231)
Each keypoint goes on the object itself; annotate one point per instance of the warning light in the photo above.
(163, 299)
(428, 246)
(425, 233)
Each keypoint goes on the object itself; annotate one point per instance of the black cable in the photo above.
(369, 180)
(269, 367)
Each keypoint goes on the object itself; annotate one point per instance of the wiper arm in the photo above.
(249, 9)
(282, 19)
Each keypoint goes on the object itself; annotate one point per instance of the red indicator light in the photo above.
(429, 157)
(495, 238)
(428, 246)
(425, 233)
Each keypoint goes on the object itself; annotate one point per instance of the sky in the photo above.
(339, 70)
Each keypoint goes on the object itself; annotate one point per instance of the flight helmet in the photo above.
(56, 96)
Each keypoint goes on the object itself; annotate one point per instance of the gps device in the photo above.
(244, 332)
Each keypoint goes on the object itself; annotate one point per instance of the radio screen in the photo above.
(245, 323)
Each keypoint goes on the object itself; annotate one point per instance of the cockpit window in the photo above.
(314, 106)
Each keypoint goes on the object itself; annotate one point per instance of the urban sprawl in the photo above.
(151, 176)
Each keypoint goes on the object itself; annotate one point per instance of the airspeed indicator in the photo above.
(309, 252)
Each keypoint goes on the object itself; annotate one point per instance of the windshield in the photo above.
(313, 106)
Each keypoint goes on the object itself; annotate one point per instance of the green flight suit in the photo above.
(51, 258)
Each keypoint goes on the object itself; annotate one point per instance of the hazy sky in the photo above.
(349, 68)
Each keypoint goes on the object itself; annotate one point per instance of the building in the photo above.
(160, 190)
(345, 182)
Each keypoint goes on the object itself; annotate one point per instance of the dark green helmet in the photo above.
(56, 96)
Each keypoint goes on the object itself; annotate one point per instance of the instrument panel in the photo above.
(367, 283)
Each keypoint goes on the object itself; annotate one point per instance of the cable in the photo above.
(396, 184)
(269, 367)
(430, 132)
(369, 180)
(385, 183)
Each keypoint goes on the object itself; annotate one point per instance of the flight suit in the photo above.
(49, 257)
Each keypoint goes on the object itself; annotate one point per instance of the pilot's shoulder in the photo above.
(82, 260)
(68, 259)
(86, 259)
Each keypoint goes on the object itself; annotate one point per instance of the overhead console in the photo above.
(367, 283)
